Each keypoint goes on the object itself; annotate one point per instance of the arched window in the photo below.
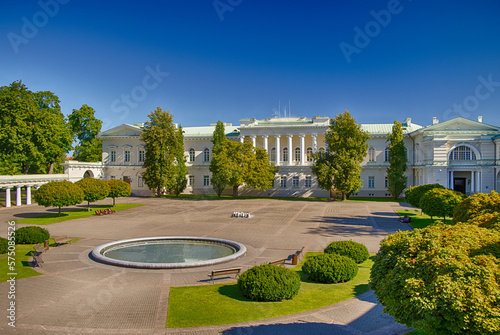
(297, 154)
(371, 154)
(273, 154)
(285, 154)
(386, 154)
(462, 153)
(191, 155)
(206, 155)
(309, 154)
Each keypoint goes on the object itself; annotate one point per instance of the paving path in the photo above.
(76, 295)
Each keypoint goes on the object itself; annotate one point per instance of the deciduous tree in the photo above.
(118, 188)
(58, 194)
(398, 161)
(440, 202)
(93, 190)
(85, 127)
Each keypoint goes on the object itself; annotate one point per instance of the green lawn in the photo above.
(223, 303)
(22, 266)
(372, 199)
(418, 220)
(73, 214)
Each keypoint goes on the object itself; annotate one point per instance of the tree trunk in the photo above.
(235, 191)
(51, 168)
(333, 193)
(158, 192)
(344, 196)
(88, 206)
(59, 211)
(26, 167)
(113, 202)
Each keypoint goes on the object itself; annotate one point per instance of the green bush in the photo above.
(476, 205)
(351, 249)
(440, 202)
(413, 194)
(31, 235)
(330, 268)
(58, 194)
(3, 245)
(118, 188)
(443, 279)
(269, 283)
(93, 190)
(487, 220)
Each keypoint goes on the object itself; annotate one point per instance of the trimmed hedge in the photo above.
(440, 202)
(269, 283)
(330, 268)
(487, 220)
(476, 205)
(413, 194)
(3, 245)
(357, 251)
(443, 279)
(31, 235)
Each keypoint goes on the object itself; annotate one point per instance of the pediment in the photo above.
(462, 124)
(125, 130)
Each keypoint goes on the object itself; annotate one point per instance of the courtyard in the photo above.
(76, 295)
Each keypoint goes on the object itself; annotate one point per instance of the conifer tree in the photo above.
(398, 161)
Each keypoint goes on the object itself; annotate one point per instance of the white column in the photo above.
(315, 143)
(18, 195)
(253, 137)
(277, 137)
(452, 180)
(479, 181)
(28, 195)
(290, 150)
(302, 148)
(265, 142)
(473, 182)
(242, 139)
(7, 197)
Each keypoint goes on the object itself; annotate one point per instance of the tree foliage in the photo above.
(440, 202)
(341, 166)
(477, 205)
(164, 165)
(118, 188)
(235, 164)
(34, 136)
(441, 279)
(398, 161)
(415, 193)
(58, 194)
(84, 128)
(93, 190)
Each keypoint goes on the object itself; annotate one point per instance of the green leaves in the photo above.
(58, 194)
(84, 128)
(398, 161)
(118, 188)
(93, 189)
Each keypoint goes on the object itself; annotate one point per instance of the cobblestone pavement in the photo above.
(76, 295)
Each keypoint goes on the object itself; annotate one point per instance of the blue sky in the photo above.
(232, 59)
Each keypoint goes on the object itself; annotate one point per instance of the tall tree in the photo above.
(347, 146)
(398, 161)
(163, 143)
(181, 170)
(220, 160)
(84, 128)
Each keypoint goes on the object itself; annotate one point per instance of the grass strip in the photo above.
(206, 305)
(73, 214)
(418, 220)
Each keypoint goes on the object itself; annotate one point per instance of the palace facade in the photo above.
(460, 154)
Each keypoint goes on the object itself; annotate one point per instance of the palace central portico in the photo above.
(460, 154)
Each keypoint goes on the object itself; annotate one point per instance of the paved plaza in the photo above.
(76, 295)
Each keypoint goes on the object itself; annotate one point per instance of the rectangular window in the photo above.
(206, 180)
(283, 182)
(308, 181)
(295, 182)
(140, 182)
(386, 182)
(191, 181)
(127, 156)
(112, 156)
(371, 182)
(141, 156)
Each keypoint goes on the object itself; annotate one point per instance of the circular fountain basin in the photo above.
(168, 252)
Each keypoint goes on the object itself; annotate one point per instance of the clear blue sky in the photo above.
(381, 60)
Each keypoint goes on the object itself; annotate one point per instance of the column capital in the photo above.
(265, 136)
(302, 135)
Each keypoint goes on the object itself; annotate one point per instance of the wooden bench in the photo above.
(39, 249)
(37, 260)
(61, 239)
(295, 256)
(279, 262)
(223, 272)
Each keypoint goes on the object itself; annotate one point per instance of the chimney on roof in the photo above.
(407, 121)
(435, 120)
(479, 119)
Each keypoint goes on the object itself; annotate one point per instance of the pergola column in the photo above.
(7, 197)
(290, 150)
(277, 137)
(28, 194)
(18, 196)
(265, 142)
(302, 148)
(242, 139)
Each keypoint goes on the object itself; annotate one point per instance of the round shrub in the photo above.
(413, 194)
(330, 268)
(443, 279)
(31, 235)
(3, 245)
(357, 251)
(476, 205)
(269, 283)
(440, 202)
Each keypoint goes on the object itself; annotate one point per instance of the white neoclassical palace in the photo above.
(460, 154)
